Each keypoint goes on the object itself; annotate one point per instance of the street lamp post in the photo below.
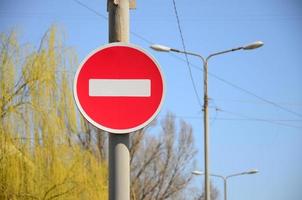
(225, 178)
(205, 60)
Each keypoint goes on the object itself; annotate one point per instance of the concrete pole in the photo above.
(119, 154)
(206, 133)
(225, 188)
(119, 167)
(118, 20)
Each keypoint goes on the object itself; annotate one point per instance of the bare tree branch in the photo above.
(161, 164)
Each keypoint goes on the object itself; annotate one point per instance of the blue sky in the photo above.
(246, 131)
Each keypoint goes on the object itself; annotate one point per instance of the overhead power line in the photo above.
(106, 18)
(184, 49)
(242, 117)
(245, 90)
(91, 9)
(199, 68)
(256, 96)
(246, 101)
(272, 121)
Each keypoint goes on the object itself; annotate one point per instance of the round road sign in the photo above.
(119, 88)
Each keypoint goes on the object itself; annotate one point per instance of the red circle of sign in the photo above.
(119, 114)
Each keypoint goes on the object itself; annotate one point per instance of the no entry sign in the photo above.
(119, 88)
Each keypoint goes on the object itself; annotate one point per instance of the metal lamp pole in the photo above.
(162, 48)
(225, 178)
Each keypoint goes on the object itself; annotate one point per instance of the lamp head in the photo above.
(253, 45)
(197, 172)
(252, 171)
(158, 47)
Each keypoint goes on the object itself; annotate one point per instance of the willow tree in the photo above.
(41, 156)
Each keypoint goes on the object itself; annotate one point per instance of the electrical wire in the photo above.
(91, 9)
(241, 117)
(294, 104)
(186, 56)
(256, 96)
(245, 117)
(106, 18)
(149, 42)
(245, 90)
(199, 68)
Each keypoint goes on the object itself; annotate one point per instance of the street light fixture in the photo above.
(225, 178)
(162, 48)
(252, 171)
(198, 173)
(254, 45)
(158, 47)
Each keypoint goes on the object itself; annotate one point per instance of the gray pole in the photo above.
(206, 133)
(118, 20)
(119, 167)
(119, 154)
(225, 188)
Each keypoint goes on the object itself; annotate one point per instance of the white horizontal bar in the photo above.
(120, 87)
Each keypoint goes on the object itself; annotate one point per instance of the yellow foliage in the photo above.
(40, 156)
